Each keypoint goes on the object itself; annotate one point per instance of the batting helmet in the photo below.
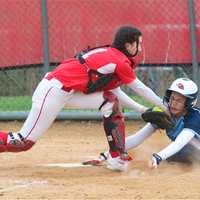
(187, 88)
(126, 34)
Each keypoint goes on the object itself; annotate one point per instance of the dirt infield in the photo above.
(25, 176)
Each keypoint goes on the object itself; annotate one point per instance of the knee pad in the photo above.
(110, 104)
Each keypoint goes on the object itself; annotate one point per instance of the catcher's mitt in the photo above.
(158, 117)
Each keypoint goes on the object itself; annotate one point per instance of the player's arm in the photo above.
(128, 77)
(182, 139)
(127, 101)
(140, 136)
(146, 92)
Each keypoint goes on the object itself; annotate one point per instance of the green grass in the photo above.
(23, 103)
(18, 103)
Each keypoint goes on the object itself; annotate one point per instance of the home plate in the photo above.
(66, 165)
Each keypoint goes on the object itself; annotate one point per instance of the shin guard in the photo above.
(114, 126)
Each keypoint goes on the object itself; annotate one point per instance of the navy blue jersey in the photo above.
(191, 120)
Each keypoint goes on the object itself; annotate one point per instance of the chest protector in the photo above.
(96, 80)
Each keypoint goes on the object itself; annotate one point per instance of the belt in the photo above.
(57, 83)
(66, 89)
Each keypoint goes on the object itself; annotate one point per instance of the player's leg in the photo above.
(114, 127)
(48, 99)
(89, 101)
(113, 118)
(113, 121)
(131, 141)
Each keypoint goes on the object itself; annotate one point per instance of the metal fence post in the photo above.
(45, 35)
(192, 24)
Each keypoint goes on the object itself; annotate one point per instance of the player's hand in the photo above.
(155, 161)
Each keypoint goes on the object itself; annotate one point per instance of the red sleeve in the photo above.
(125, 72)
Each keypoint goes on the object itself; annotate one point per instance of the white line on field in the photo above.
(65, 165)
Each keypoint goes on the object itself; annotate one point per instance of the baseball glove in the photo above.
(158, 118)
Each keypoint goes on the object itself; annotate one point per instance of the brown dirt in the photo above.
(22, 175)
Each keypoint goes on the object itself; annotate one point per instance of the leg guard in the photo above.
(114, 126)
(14, 145)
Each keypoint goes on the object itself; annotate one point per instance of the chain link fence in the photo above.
(37, 35)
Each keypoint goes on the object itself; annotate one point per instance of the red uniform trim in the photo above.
(39, 112)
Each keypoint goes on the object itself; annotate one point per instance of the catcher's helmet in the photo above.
(126, 34)
(187, 88)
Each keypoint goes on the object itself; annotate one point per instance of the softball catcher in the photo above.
(91, 79)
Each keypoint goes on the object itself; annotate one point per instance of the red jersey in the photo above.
(74, 75)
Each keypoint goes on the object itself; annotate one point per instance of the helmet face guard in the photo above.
(185, 87)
